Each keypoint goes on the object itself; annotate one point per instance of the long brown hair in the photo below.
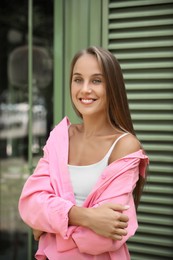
(117, 109)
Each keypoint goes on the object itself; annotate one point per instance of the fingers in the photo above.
(118, 234)
(122, 224)
(123, 217)
(120, 229)
(37, 234)
(118, 207)
(36, 238)
(117, 237)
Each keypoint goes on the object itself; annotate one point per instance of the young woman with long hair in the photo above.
(82, 198)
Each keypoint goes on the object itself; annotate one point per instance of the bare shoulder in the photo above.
(126, 145)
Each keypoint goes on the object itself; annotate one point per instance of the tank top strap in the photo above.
(113, 145)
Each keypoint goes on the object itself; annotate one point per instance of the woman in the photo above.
(80, 200)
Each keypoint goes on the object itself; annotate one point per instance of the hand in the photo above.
(108, 220)
(37, 234)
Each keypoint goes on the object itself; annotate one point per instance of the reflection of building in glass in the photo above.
(14, 120)
(14, 123)
(18, 67)
(14, 116)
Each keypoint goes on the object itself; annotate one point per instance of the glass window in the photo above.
(14, 109)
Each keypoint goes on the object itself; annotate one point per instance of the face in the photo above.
(88, 88)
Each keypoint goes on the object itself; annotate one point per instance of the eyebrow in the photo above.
(93, 75)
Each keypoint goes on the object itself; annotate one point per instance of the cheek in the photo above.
(103, 93)
(73, 94)
(74, 90)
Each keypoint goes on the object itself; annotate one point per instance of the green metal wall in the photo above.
(78, 24)
(140, 33)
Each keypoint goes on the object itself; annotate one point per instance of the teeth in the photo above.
(87, 101)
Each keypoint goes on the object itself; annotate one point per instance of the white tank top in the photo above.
(84, 178)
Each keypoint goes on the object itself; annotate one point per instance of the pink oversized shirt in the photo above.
(48, 195)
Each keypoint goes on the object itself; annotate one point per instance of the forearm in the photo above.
(79, 216)
(98, 243)
(106, 220)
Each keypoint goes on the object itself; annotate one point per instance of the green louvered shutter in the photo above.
(140, 34)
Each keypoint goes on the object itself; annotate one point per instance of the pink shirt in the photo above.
(48, 195)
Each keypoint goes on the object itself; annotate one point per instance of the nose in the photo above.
(86, 88)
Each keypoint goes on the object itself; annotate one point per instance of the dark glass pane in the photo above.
(14, 168)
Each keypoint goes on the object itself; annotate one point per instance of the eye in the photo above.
(77, 80)
(97, 81)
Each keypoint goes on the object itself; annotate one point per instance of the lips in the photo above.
(87, 101)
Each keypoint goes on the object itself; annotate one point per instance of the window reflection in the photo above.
(14, 110)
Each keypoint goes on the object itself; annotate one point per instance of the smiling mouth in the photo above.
(87, 100)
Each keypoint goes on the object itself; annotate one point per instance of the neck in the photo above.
(95, 126)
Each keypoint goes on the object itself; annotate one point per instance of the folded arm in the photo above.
(116, 193)
(39, 206)
(42, 209)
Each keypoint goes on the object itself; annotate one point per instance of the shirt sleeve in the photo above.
(119, 191)
(40, 206)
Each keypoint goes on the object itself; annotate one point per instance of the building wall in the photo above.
(140, 34)
(79, 24)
